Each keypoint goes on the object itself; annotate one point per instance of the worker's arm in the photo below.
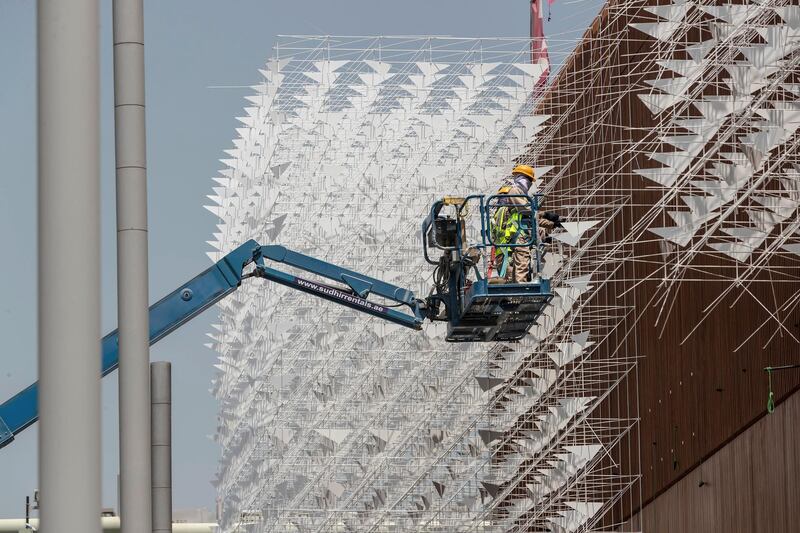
(549, 218)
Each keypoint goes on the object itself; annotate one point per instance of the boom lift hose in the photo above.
(441, 274)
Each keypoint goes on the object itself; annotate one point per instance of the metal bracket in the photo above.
(360, 286)
(5, 434)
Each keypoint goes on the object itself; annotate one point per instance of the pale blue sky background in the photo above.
(190, 46)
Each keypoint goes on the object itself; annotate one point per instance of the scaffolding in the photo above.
(687, 110)
(331, 421)
(707, 149)
(668, 140)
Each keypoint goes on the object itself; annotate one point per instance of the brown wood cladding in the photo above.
(748, 485)
(694, 395)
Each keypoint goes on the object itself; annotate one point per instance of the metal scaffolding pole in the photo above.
(132, 277)
(161, 423)
(69, 264)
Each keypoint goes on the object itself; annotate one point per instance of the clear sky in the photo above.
(191, 45)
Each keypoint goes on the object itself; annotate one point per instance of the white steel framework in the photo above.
(333, 421)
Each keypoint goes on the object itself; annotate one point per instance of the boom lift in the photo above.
(474, 309)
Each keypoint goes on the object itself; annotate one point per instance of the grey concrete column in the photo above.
(161, 424)
(69, 264)
(132, 273)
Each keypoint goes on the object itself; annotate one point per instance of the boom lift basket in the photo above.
(475, 309)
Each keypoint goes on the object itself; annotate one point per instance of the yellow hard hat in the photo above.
(525, 170)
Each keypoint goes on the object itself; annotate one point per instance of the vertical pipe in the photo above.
(68, 94)
(161, 423)
(132, 278)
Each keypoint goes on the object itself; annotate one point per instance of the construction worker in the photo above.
(513, 264)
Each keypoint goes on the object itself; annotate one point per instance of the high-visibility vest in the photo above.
(506, 223)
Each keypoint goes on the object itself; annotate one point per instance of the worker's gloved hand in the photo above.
(551, 217)
(546, 224)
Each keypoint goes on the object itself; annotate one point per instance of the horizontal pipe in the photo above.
(110, 524)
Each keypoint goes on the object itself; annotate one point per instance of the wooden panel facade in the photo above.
(748, 485)
(696, 392)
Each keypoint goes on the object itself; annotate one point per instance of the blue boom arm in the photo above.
(211, 286)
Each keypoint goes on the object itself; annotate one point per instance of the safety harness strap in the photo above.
(504, 266)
